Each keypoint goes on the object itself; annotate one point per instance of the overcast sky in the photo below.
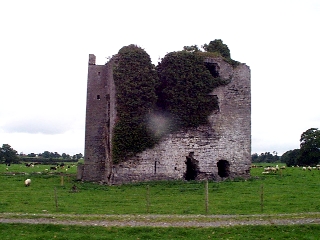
(44, 48)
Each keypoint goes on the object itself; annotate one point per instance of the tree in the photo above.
(266, 157)
(8, 155)
(290, 158)
(309, 147)
(31, 155)
(254, 157)
(46, 154)
(193, 48)
(77, 156)
(218, 46)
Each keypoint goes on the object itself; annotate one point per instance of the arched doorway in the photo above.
(192, 168)
(223, 168)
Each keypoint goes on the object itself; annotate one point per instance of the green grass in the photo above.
(290, 191)
(44, 231)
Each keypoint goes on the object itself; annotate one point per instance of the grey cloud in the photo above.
(37, 125)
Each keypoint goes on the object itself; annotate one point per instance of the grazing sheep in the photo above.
(304, 168)
(27, 182)
(309, 168)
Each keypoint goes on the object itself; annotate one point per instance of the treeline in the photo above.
(266, 157)
(307, 155)
(41, 160)
(309, 152)
(9, 155)
(53, 155)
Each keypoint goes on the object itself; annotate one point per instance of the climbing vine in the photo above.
(185, 84)
(178, 88)
(135, 79)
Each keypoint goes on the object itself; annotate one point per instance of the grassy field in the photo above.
(25, 231)
(291, 190)
(288, 191)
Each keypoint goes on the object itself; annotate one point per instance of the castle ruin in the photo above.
(218, 150)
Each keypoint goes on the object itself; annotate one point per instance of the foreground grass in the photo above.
(44, 231)
(290, 191)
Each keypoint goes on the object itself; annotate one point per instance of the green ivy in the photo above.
(177, 89)
(218, 47)
(135, 79)
(184, 89)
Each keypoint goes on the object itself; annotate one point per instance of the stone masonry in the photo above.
(219, 150)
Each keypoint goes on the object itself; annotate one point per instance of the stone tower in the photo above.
(218, 150)
(99, 121)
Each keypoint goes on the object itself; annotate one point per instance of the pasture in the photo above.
(291, 190)
(56, 193)
(25, 231)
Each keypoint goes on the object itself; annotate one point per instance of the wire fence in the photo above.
(198, 198)
(60, 192)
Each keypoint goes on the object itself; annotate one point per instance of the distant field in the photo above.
(291, 190)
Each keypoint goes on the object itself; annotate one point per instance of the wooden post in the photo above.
(148, 198)
(61, 181)
(261, 198)
(56, 198)
(206, 196)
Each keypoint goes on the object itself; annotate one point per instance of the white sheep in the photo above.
(27, 182)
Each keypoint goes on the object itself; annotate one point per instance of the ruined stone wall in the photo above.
(227, 137)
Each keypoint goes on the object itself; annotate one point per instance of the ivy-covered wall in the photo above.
(143, 120)
(178, 88)
(135, 80)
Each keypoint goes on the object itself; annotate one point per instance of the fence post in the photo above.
(56, 198)
(148, 198)
(61, 181)
(261, 198)
(206, 196)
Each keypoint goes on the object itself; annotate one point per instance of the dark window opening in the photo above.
(223, 168)
(98, 97)
(98, 73)
(155, 166)
(213, 68)
(192, 167)
(215, 103)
